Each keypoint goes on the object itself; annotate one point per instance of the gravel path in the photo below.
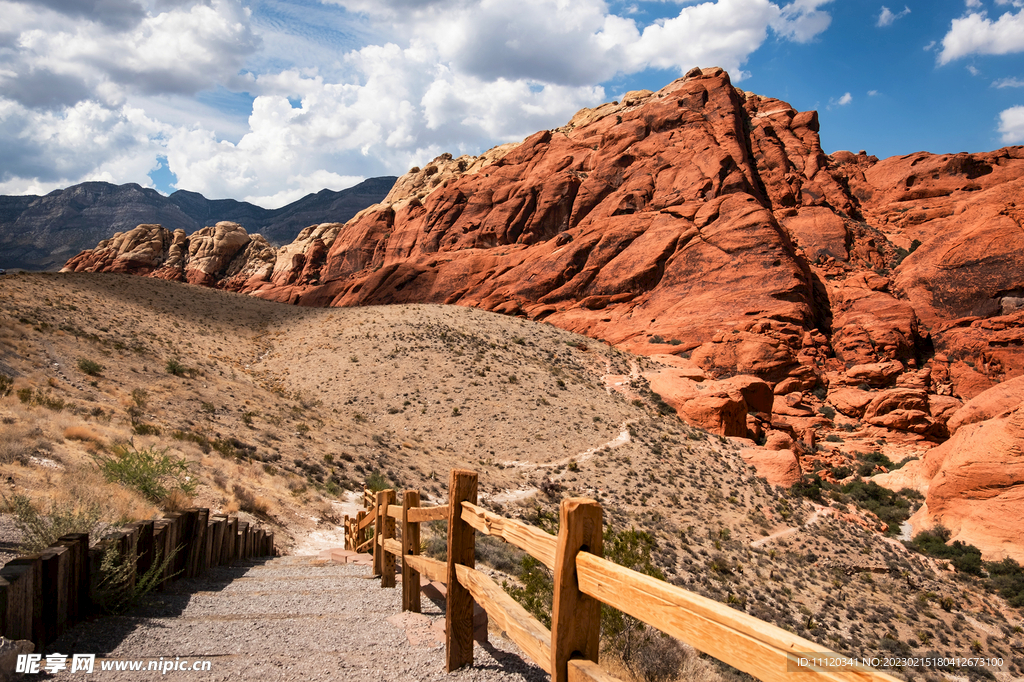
(289, 618)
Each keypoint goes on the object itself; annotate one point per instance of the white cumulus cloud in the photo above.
(1011, 125)
(976, 33)
(268, 107)
(887, 17)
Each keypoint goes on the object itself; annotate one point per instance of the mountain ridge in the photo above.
(42, 232)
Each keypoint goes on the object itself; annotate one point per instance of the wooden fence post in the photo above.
(378, 551)
(458, 630)
(410, 547)
(243, 530)
(22, 594)
(576, 617)
(56, 569)
(358, 536)
(34, 562)
(177, 539)
(197, 551)
(161, 540)
(387, 532)
(231, 540)
(145, 548)
(78, 580)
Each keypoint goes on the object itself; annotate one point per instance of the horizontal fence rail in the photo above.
(44, 594)
(584, 580)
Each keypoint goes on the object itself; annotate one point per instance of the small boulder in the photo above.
(779, 467)
(874, 374)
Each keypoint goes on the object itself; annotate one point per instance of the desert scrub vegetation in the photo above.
(648, 654)
(174, 366)
(891, 507)
(41, 529)
(117, 587)
(6, 383)
(1005, 577)
(90, 367)
(248, 502)
(153, 473)
(41, 398)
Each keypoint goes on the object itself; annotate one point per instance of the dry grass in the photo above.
(176, 501)
(19, 441)
(83, 433)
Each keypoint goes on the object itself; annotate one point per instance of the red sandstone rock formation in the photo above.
(974, 485)
(701, 215)
(699, 221)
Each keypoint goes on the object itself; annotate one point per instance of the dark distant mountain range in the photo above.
(41, 233)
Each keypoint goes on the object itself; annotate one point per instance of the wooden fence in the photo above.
(583, 581)
(44, 594)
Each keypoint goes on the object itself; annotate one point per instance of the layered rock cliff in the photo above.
(700, 222)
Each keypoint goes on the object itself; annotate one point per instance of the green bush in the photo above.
(1007, 578)
(643, 650)
(891, 507)
(965, 558)
(37, 397)
(152, 472)
(536, 589)
(39, 530)
(377, 481)
(175, 367)
(90, 367)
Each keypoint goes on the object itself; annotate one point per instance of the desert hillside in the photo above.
(281, 410)
(826, 307)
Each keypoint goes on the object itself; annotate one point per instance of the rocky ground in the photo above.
(281, 411)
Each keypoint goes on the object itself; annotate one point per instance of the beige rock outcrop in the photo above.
(973, 485)
(991, 403)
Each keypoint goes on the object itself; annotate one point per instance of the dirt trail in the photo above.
(620, 382)
(283, 619)
(525, 493)
(327, 534)
(786, 532)
(623, 438)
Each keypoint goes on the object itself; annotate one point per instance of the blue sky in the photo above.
(268, 100)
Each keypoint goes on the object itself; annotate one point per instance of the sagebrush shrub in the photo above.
(90, 367)
(40, 530)
(152, 472)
